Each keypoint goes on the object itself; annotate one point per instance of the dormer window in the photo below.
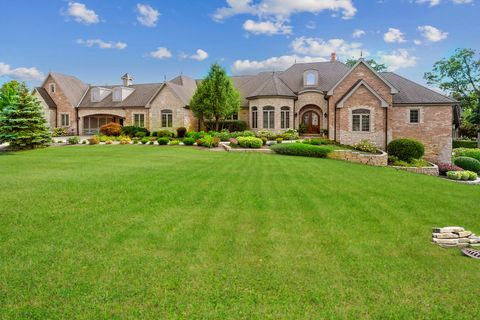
(99, 93)
(310, 78)
(117, 94)
(52, 87)
(95, 95)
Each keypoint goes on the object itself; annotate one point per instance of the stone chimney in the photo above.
(333, 57)
(127, 80)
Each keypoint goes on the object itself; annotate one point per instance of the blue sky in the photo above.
(98, 41)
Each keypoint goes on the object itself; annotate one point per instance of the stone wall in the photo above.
(63, 105)
(380, 160)
(434, 129)
(430, 171)
(50, 114)
(275, 102)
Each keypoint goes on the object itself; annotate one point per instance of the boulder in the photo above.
(464, 240)
(463, 234)
(475, 245)
(445, 241)
(449, 235)
(448, 229)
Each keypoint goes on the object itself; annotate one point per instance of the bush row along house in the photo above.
(348, 104)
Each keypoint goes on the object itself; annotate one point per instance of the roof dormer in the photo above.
(310, 78)
(99, 93)
(121, 93)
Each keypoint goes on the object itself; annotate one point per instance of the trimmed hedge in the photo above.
(464, 152)
(188, 141)
(163, 141)
(406, 149)
(468, 163)
(303, 150)
(132, 131)
(250, 142)
(465, 144)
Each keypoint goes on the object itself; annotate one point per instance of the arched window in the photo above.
(285, 118)
(310, 78)
(268, 117)
(361, 120)
(167, 118)
(254, 117)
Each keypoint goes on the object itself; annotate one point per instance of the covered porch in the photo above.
(91, 124)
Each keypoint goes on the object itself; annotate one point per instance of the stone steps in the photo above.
(454, 237)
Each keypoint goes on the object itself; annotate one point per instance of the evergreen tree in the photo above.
(216, 97)
(22, 122)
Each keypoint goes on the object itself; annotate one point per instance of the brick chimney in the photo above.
(333, 57)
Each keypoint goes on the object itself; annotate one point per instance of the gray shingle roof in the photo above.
(139, 98)
(184, 87)
(72, 88)
(272, 85)
(411, 92)
(46, 97)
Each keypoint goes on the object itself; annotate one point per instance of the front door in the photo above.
(311, 121)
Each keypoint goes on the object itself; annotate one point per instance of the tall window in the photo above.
(310, 78)
(254, 117)
(361, 120)
(139, 120)
(65, 120)
(167, 118)
(285, 118)
(52, 87)
(414, 116)
(268, 117)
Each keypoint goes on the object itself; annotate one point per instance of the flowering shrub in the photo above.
(111, 129)
(109, 142)
(366, 146)
(290, 134)
(93, 140)
(59, 132)
(443, 168)
(250, 142)
(233, 141)
(125, 140)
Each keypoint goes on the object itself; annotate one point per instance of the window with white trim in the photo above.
(167, 118)
(254, 117)
(268, 117)
(52, 87)
(285, 117)
(361, 120)
(414, 116)
(310, 78)
(65, 120)
(139, 120)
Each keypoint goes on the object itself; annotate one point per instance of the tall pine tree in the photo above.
(216, 97)
(22, 122)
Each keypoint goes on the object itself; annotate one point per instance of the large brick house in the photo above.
(348, 104)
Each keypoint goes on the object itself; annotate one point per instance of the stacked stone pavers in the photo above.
(454, 237)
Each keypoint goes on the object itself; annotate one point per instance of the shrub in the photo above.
(111, 129)
(250, 142)
(300, 149)
(464, 152)
(468, 163)
(465, 175)
(135, 141)
(59, 132)
(109, 142)
(290, 134)
(84, 142)
(366, 146)
(174, 143)
(73, 140)
(223, 135)
(151, 142)
(181, 131)
(264, 140)
(93, 140)
(125, 140)
(140, 134)
(266, 134)
(164, 134)
(188, 141)
(454, 175)
(279, 140)
(131, 131)
(406, 149)
(469, 144)
(234, 141)
(145, 140)
(443, 168)
(163, 141)
(230, 125)
(472, 175)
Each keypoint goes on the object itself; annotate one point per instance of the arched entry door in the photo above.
(311, 121)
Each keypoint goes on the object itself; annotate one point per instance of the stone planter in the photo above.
(379, 160)
(431, 171)
(230, 149)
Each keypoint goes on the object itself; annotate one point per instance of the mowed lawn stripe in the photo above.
(175, 232)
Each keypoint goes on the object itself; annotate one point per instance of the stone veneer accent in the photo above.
(380, 160)
(275, 102)
(430, 171)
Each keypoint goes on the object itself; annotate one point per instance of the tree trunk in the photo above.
(217, 124)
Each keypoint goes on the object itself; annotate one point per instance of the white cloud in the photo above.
(102, 44)
(462, 1)
(319, 48)
(398, 59)
(417, 42)
(200, 55)
(394, 35)
(432, 34)
(431, 3)
(161, 53)
(283, 9)
(271, 64)
(267, 27)
(22, 73)
(147, 16)
(358, 33)
(80, 13)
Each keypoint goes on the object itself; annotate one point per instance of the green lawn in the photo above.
(171, 232)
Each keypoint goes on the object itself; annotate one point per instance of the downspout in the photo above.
(334, 123)
(78, 122)
(328, 114)
(386, 128)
